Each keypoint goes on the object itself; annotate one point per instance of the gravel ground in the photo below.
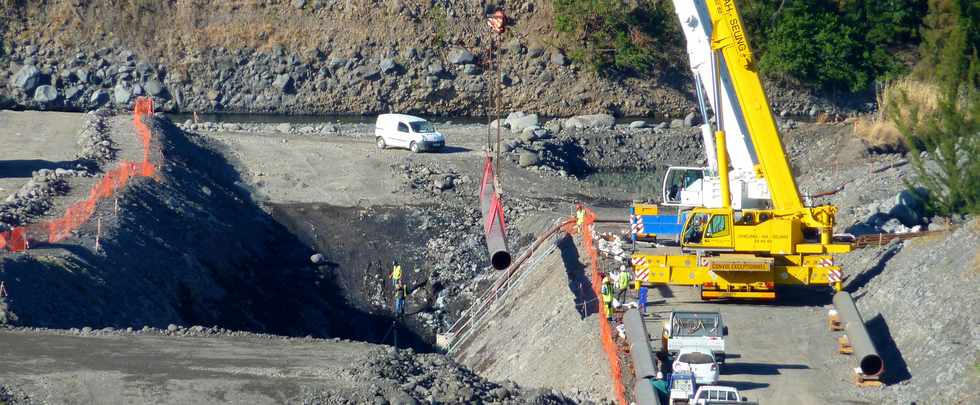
(208, 365)
(546, 332)
(919, 302)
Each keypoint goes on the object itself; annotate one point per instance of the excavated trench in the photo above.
(194, 248)
(359, 246)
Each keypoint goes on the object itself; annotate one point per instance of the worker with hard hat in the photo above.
(579, 218)
(607, 295)
(396, 273)
(622, 283)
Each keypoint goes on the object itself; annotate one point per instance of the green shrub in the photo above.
(613, 37)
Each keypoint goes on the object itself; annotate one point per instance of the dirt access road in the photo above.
(352, 171)
(29, 146)
(779, 352)
(117, 369)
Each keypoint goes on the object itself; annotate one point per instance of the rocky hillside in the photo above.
(317, 57)
(918, 301)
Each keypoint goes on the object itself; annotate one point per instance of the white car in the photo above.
(406, 131)
(712, 394)
(699, 362)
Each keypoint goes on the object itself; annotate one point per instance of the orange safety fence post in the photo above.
(79, 213)
(605, 330)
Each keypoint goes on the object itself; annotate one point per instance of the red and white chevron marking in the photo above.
(636, 224)
(835, 276)
(640, 268)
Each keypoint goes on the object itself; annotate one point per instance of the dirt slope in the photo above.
(920, 303)
(546, 332)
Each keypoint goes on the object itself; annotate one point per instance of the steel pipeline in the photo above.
(869, 361)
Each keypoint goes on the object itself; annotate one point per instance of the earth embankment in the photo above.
(321, 58)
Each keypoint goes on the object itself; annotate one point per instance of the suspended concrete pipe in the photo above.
(868, 359)
(642, 357)
(493, 228)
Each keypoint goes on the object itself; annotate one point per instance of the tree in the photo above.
(945, 143)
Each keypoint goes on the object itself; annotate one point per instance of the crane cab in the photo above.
(726, 230)
(685, 186)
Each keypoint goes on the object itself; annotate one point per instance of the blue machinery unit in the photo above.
(648, 223)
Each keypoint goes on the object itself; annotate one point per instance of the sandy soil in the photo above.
(546, 332)
(33, 141)
(159, 369)
(284, 168)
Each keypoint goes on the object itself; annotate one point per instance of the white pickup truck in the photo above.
(695, 330)
(717, 394)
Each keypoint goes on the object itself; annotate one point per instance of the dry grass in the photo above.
(901, 98)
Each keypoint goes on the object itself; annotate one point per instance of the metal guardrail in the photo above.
(484, 306)
(882, 239)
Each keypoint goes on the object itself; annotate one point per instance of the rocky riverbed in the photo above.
(271, 57)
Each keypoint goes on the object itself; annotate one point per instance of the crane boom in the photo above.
(735, 61)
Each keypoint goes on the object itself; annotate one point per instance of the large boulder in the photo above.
(99, 97)
(436, 69)
(388, 65)
(691, 120)
(45, 94)
(283, 83)
(27, 78)
(73, 91)
(460, 56)
(337, 63)
(909, 207)
(122, 93)
(366, 73)
(593, 121)
(518, 121)
(528, 159)
(153, 87)
(558, 58)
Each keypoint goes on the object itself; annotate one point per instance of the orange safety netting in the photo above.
(55, 230)
(605, 330)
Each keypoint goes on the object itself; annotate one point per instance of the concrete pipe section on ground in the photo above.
(869, 360)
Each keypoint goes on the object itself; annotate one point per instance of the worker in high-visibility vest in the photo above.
(579, 218)
(607, 295)
(400, 292)
(396, 273)
(622, 283)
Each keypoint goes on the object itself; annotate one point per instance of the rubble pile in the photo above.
(95, 143)
(35, 197)
(431, 378)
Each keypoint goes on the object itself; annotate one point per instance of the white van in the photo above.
(406, 131)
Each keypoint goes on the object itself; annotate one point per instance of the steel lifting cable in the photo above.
(497, 23)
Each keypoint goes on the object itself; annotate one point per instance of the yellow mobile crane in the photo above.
(741, 245)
